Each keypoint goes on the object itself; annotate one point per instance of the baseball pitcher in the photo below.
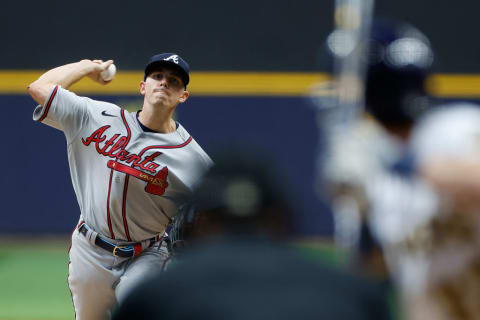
(130, 172)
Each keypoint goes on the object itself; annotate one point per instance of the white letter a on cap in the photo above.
(173, 57)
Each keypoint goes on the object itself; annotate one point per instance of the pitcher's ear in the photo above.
(184, 96)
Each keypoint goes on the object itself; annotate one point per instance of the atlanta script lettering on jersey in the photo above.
(114, 147)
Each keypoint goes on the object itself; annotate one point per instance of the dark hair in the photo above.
(399, 60)
(241, 194)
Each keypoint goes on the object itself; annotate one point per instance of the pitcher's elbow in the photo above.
(37, 92)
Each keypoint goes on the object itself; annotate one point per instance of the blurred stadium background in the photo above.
(253, 63)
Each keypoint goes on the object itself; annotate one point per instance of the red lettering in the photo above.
(122, 155)
(97, 136)
(108, 143)
(119, 144)
(152, 167)
(117, 150)
(133, 157)
(147, 159)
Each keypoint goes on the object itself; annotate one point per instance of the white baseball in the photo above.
(109, 73)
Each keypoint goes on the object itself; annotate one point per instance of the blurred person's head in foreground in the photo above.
(243, 195)
(233, 270)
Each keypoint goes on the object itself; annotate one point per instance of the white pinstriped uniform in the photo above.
(128, 184)
(396, 206)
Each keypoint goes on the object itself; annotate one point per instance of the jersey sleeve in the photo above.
(63, 110)
(204, 163)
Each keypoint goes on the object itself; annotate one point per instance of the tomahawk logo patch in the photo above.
(173, 58)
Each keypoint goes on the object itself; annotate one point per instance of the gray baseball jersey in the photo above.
(129, 183)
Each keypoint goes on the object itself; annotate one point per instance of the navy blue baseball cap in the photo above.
(170, 60)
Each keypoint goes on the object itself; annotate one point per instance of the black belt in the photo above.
(124, 251)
